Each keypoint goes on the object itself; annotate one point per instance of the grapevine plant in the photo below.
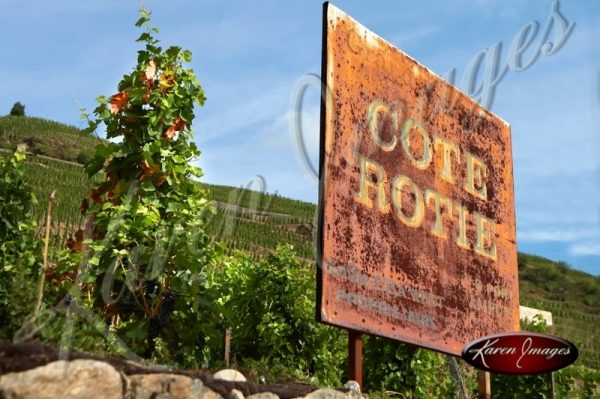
(19, 251)
(143, 247)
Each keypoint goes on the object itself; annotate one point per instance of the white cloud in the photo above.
(585, 249)
(230, 115)
(556, 234)
(310, 135)
(268, 150)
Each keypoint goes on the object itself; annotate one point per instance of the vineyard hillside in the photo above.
(45, 137)
(256, 222)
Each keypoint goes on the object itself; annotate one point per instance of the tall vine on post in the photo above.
(144, 247)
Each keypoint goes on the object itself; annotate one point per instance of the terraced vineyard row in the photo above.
(233, 224)
(272, 203)
(571, 296)
(574, 325)
(227, 226)
(69, 181)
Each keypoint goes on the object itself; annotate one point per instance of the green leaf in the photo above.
(20, 156)
(147, 186)
(88, 278)
(173, 207)
(94, 165)
(143, 20)
(144, 37)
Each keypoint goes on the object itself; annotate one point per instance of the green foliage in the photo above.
(269, 306)
(577, 382)
(242, 228)
(19, 252)
(17, 109)
(432, 378)
(405, 369)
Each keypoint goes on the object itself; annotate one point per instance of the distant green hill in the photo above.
(257, 222)
(573, 298)
(45, 137)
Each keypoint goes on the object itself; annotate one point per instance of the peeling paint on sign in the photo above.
(417, 224)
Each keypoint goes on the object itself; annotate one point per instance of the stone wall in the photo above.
(34, 371)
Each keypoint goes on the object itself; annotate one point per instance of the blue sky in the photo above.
(249, 55)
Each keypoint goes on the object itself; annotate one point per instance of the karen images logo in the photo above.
(520, 353)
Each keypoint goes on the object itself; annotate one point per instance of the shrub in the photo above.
(269, 306)
(19, 251)
(405, 369)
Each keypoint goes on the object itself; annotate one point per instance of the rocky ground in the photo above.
(31, 370)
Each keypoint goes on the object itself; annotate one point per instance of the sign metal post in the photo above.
(484, 384)
(355, 356)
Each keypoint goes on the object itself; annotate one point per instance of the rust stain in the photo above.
(417, 232)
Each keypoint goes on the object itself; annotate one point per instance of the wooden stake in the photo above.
(485, 385)
(40, 295)
(355, 356)
(550, 377)
(227, 346)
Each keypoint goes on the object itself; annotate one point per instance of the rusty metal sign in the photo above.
(417, 224)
